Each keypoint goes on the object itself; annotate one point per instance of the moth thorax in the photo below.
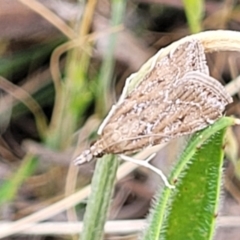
(113, 142)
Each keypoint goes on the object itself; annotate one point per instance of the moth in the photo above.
(176, 97)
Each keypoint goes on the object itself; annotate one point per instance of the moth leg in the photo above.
(145, 163)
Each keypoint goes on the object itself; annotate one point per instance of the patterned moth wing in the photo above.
(178, 97)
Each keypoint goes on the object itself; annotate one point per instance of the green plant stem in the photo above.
(99, 201)
(9, 188)
(194, 11)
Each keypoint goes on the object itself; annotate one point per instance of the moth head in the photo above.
(84, 157)
(88, 155)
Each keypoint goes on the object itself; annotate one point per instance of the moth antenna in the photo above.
(105, 121)
(133, 138)
(89, 154)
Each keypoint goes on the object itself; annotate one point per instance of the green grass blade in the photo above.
(194, 12)
(10, 187)
(197, 175)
